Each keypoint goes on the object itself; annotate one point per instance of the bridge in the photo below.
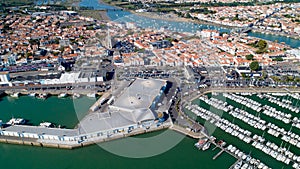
(242, 30)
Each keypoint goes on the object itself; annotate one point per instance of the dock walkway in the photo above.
(217, 155)
(187, 132)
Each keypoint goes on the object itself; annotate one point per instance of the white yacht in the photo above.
(206, 146)
(62, 95)
(46, 124)
(32, 94)
(238, 165)
(75, 96)
(16, 121)
(93, 95)
(15, 95)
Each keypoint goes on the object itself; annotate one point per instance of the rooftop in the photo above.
(130, 108)
(42, 130)
(140, 94)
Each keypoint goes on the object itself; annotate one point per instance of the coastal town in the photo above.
(275, 18)
(225, 85)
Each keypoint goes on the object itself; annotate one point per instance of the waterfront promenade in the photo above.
(75, 144)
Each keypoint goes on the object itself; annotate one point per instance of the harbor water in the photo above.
(65, 112)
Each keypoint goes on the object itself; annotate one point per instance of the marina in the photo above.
(268, 126)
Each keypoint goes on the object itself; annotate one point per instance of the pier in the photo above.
(187, 132)
(217, 155)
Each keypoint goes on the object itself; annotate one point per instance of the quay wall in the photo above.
(66, 145)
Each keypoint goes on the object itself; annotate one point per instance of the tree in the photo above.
(262, 44)
(243, 75)
(264, 74)
(254, 65)
(278, 59)
(249, 57)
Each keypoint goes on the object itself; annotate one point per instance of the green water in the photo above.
(247, 148)
(183, 156)
(62, 111)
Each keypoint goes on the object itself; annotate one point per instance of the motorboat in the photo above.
(75, 96)
(92, 95)
(15, 95)
(62, 95)
(46, 124)
(32, 94)
(16, 121)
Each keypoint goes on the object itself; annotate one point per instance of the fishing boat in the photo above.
(201, 143)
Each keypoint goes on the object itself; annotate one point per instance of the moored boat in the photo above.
(206, 146)
(16, 121)
(42, 96)
(201, 143)
(76, 95)
(93, 95)
(15, 95)
(46, 124)
(32, 94)
(62, 95)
